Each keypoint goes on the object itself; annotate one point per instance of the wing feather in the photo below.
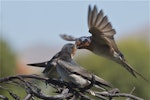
(89, 16)
(103, 23)
(99, 24)
(99, 18)
(74, 68)
(109, 33)
(94, 15)
(107, 27)
(102, 31)
(81, 71)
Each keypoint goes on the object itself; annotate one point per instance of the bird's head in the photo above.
(83, 42)
(69, 49)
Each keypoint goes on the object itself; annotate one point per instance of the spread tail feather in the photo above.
(67, 37)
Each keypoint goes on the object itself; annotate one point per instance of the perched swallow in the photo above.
(50, 66)
(102, 40)
(64, 65)
(75, 74)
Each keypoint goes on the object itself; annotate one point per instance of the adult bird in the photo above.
(63, 65)
(102, 40)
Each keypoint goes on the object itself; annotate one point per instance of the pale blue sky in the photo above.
(31, 22)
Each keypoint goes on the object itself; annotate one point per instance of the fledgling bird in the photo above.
(73, 73)
(50, 66)
(102, 40)
(64, 65)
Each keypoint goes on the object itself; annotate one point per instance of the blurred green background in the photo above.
(136, 51)
(30, 33)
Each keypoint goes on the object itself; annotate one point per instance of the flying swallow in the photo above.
(101, 42)
(69, 70)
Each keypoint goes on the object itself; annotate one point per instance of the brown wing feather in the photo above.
(103, 23)
(107, 28)
(101, 28)
(89, 16)
(100, 22)
(94, 15)
(99, 18)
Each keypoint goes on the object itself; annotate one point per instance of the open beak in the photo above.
(78, 44)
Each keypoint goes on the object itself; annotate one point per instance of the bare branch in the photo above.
(107, 94)
(65, 90)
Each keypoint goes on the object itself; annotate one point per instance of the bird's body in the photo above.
(101, 42)
(78, 75)
(50, 66)
(63, 65)
(68, 75)
(101, 50)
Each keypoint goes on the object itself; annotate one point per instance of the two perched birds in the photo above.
(101, 43)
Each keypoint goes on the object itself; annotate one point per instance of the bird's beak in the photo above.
(83, 44)
(78, 44)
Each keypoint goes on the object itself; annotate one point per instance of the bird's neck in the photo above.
(66, 56)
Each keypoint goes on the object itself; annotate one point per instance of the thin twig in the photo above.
(118, 95)
(131, 92)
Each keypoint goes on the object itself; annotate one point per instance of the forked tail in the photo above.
(131, 69)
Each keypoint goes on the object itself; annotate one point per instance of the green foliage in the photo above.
(7, 60)
(137, 54)
(7, 67)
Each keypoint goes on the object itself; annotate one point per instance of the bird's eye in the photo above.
(86, 40)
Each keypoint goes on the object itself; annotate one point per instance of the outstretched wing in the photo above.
(100, 28)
